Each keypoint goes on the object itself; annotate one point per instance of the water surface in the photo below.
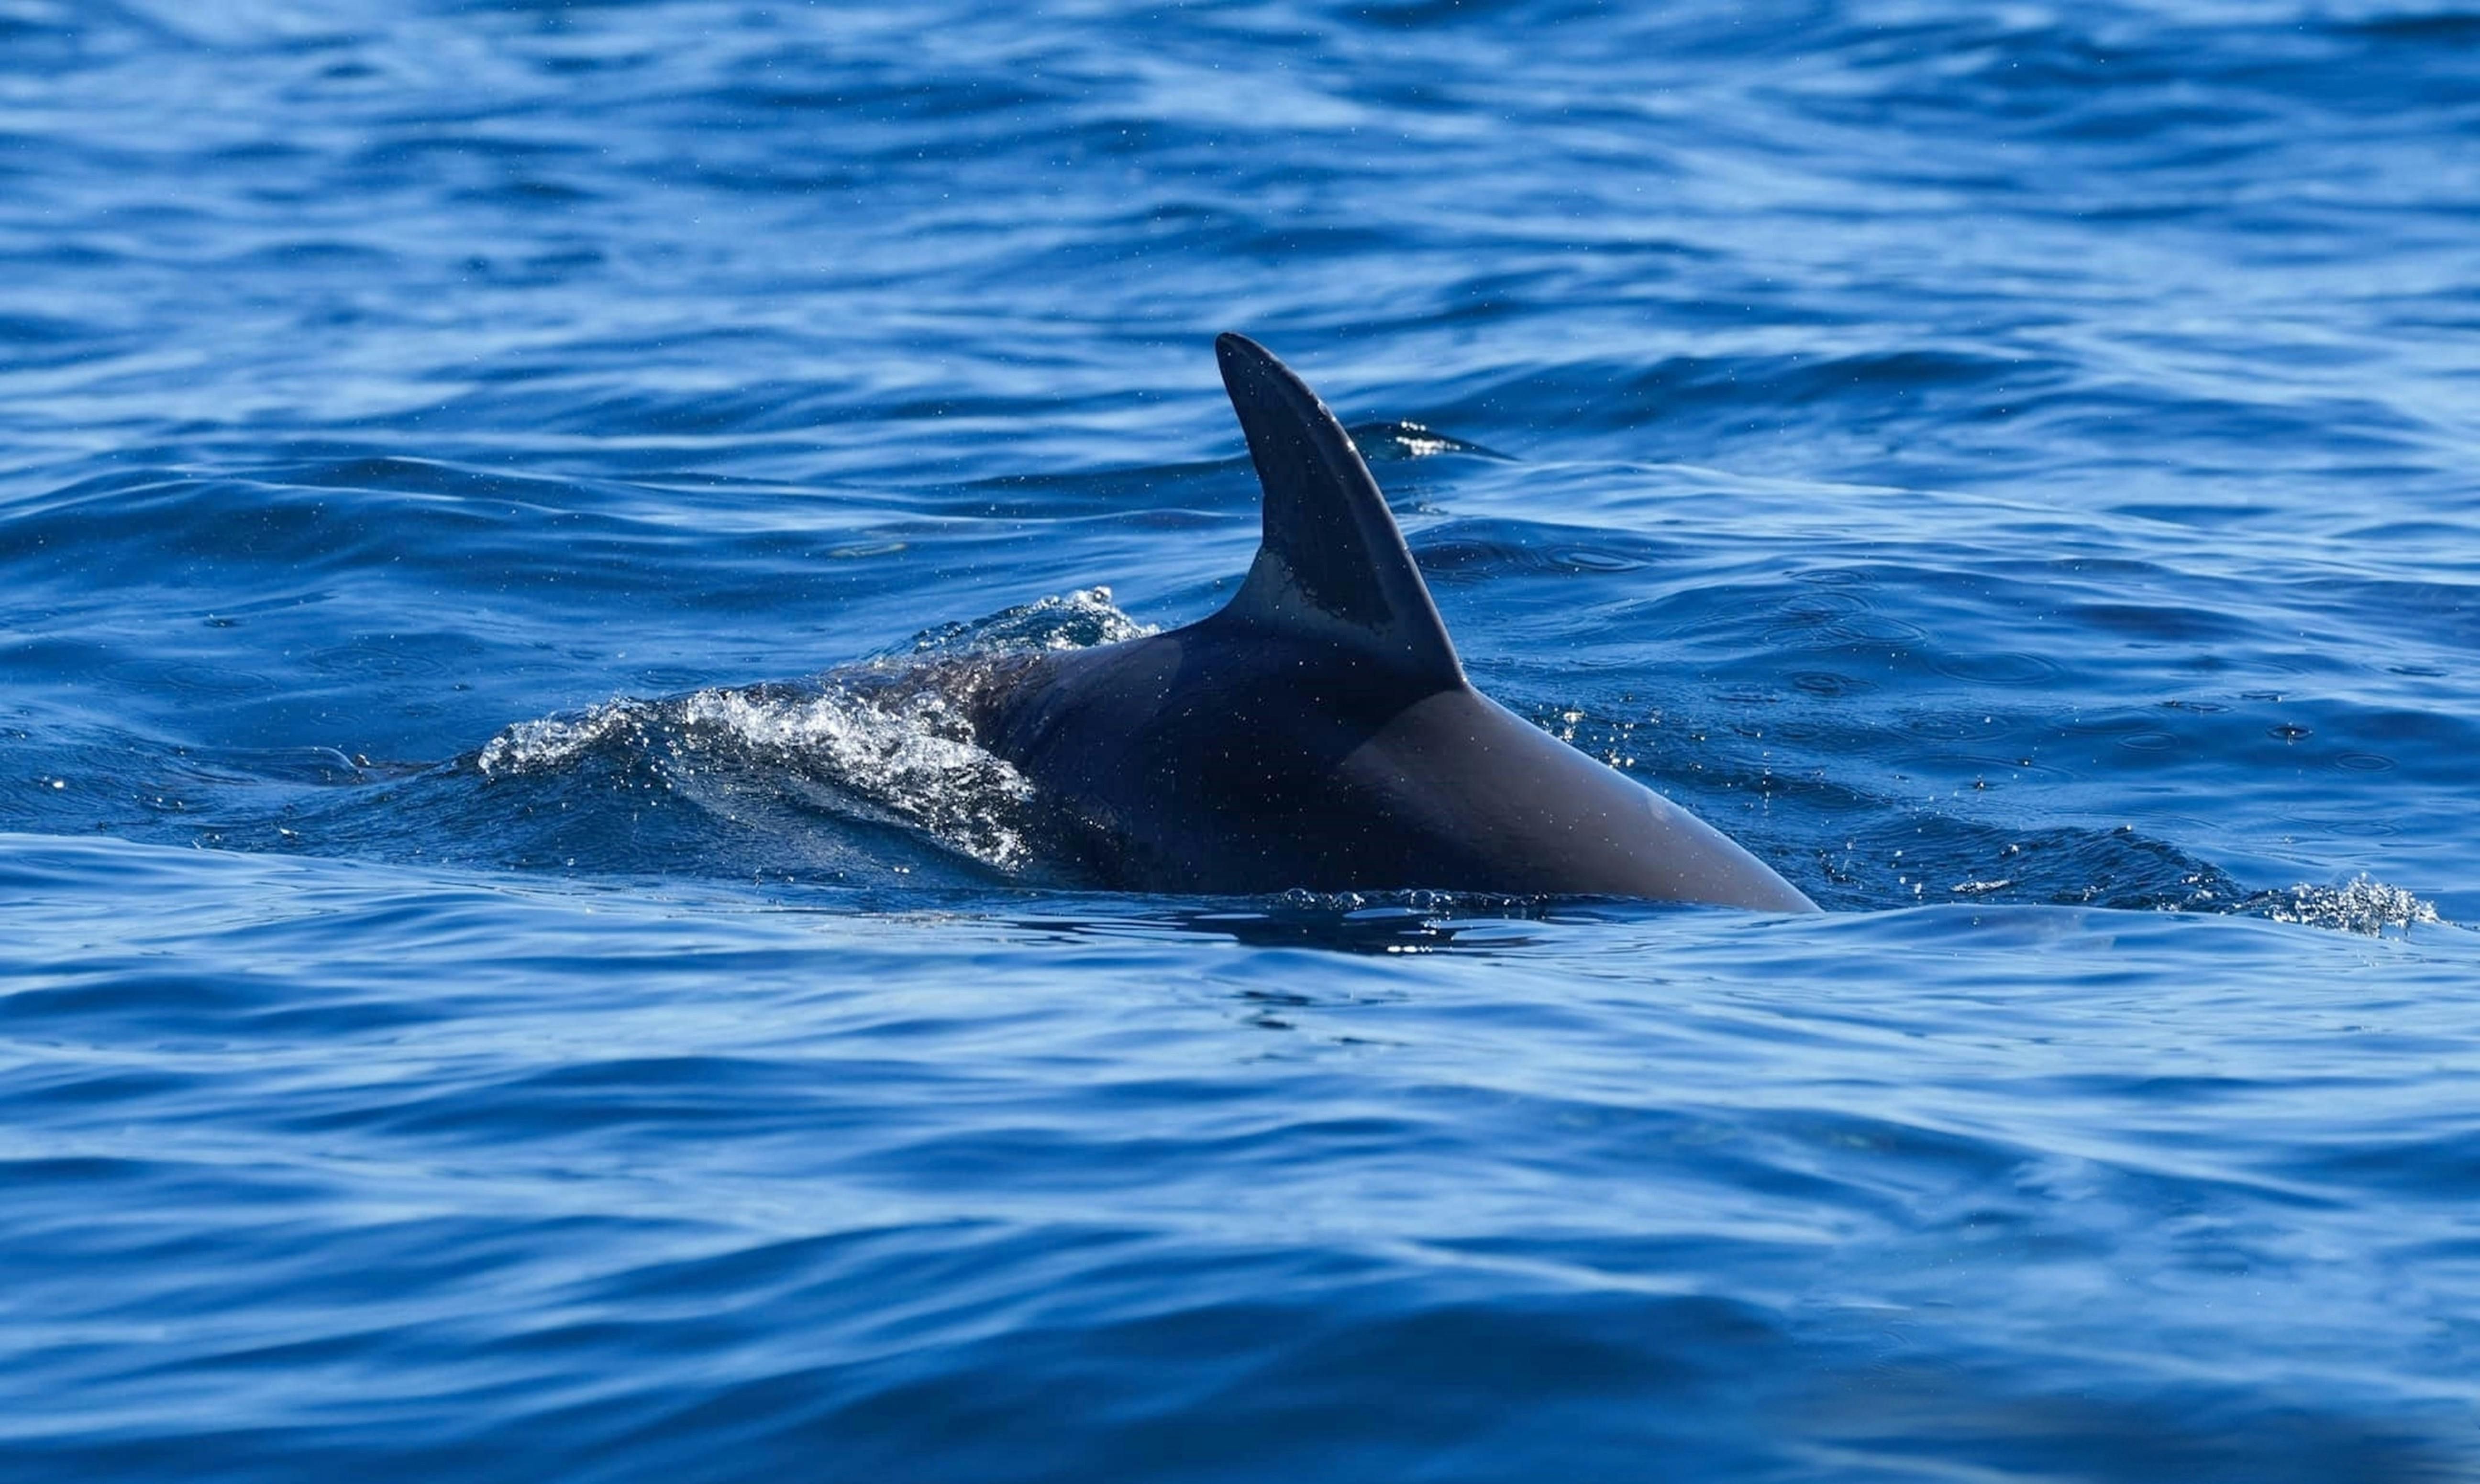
(495, 985)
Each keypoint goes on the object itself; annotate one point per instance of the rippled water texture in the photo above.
(508, 972)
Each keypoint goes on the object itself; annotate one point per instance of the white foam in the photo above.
(2359, 906)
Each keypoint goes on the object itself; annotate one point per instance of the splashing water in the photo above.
(2363, 904)
(885, 741)
(1074, 621)
(903, 757)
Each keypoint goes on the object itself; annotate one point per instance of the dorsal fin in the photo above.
(1331, 562)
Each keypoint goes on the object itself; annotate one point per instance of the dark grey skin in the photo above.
(1319, 732)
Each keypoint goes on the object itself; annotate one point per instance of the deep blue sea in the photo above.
(487, 992)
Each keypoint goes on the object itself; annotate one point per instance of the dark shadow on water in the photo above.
(1359, 923)
(1370, 929)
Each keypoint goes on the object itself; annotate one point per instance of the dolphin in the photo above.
(1319, 733)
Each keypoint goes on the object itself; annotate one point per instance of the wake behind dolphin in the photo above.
(1319, 733)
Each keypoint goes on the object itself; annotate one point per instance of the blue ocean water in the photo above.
(488, 989)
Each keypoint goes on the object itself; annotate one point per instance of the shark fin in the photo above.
(1331, 562)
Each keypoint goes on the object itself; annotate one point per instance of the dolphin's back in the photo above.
(1319, 732)
(1209, 759)
(1529, 814)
